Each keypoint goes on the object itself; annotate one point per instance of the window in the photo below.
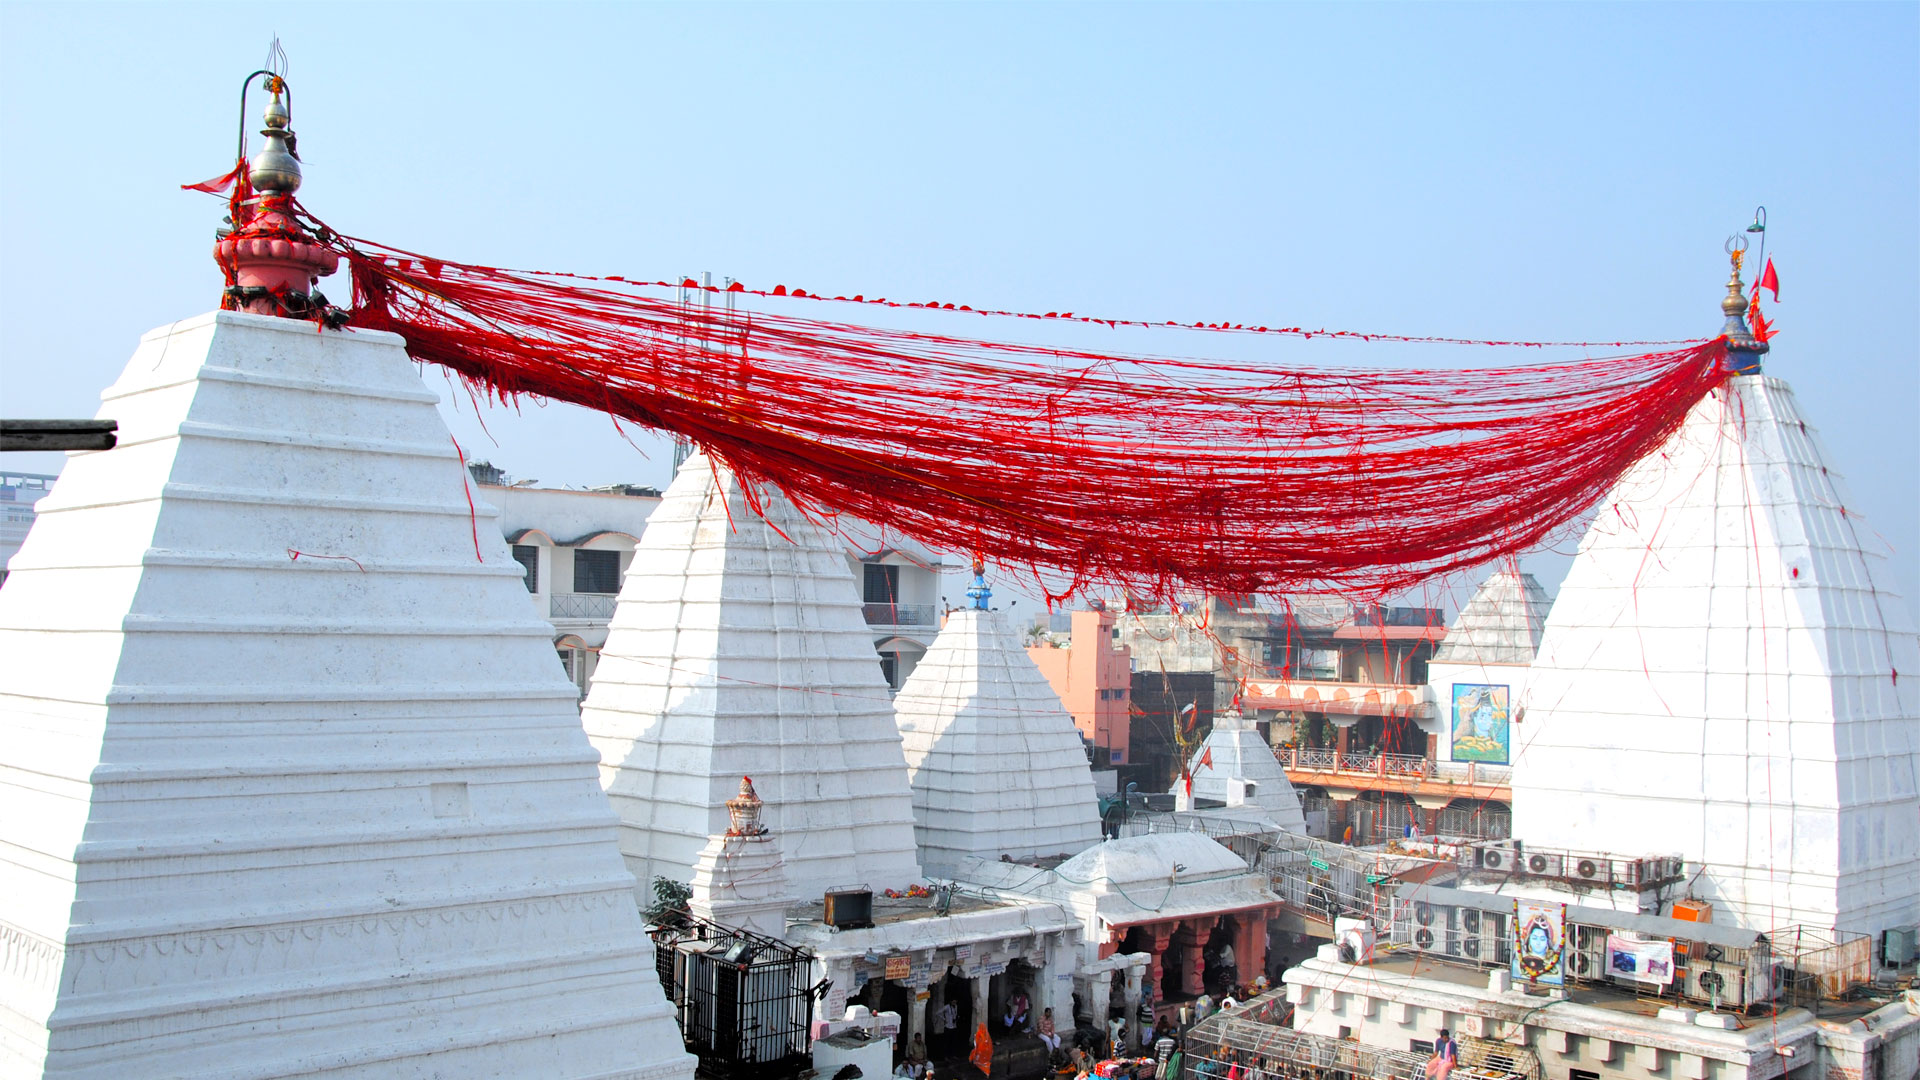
(890, 669)
(1582, 1074)
(528, 557)
(1420, 1046)
(882, 584)
(596, 571)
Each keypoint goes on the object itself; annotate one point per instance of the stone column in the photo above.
(1134, 970)
(1100, 998)
(981, 1015)
(915, 1022)
(1250, 945)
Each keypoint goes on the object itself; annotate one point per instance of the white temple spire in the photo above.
(738, 648)
(998, 767)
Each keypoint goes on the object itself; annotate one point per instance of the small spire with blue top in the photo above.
(1743, 350)
(978, 592)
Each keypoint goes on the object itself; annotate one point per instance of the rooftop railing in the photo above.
(582, 605)
(899, 614)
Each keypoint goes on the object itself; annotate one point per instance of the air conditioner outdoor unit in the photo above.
(1494, 857)
(1540, 864)
(1429, 926)
(1482, 937)
(1587, 959)
(1720, 984)
(1587, 868)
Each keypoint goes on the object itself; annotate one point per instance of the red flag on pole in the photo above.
(1206, 759)
(1769, 281)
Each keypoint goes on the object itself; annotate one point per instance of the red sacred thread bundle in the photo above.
(1141, 471)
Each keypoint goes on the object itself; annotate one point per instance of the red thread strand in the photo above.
(473, 516)
(1134, 470)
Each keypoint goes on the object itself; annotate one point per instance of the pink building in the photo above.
(1093, 677)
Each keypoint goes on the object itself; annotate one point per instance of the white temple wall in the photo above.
(1716, 679)
(290, 769)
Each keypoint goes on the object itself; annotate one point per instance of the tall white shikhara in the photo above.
(330, 815)
(739, 648)
(1717, 678)
(997, 766)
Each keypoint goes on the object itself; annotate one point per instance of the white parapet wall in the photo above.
(1727, 672)
(738, 648)
(293, 784)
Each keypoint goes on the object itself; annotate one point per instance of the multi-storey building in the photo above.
(1342, 694)
(576, 545)
(18, 493)
(1092, 673)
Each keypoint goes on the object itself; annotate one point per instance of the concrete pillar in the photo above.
(1100, 998)
(1191, 961)
(981, 1014)
(915, 1022)
(1134, 971)
(1250, 945)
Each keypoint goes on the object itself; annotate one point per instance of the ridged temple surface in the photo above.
(1717, 678)
(997, 766)
(327, 815)
(738, 648)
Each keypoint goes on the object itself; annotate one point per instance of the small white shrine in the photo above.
(1479, 673)
(1236, 767)
(738, 648)
(293, 784)
(996, 764)
(1718, 676)
(740, 878)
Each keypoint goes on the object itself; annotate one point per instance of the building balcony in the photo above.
(590, 606)
(900, 614)
(1404, 773)
(1339, 698)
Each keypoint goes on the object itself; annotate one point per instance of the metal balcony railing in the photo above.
(899, 614)
(1325, 759)
(582, 606)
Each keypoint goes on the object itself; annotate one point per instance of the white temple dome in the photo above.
(1718, 677)
(739, 648)
(996, 764)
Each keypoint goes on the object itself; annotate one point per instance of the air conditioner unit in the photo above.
(1497, 857)
(1721, 984)
(1588, 868)
(1428, 929)
(1540, 864)
(1482, 938)
(1587, 957)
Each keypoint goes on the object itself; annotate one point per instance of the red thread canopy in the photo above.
(1133, 470)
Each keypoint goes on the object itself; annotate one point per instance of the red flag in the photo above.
(219, 184)
(1206, 759)
(1188, 777)
(1769, 281)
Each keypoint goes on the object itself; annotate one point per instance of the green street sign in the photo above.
(1318, 865)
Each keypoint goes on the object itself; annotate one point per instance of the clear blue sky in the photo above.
(1541, 171)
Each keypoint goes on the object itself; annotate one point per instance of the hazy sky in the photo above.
(1542, 171)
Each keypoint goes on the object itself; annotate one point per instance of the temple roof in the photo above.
(1502, 624)
(1721, 675)
(738, 648)
(1234, 750)
(997, 765)
(294, 783)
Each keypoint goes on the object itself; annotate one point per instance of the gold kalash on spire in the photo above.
(272, 261)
